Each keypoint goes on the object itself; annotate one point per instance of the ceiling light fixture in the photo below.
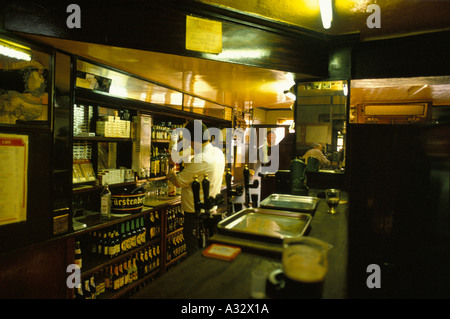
(326, 12)
(14, 50)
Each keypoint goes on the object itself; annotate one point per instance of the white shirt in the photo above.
(210, 161)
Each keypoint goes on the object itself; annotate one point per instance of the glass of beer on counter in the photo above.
(332, 196)
(305, 265)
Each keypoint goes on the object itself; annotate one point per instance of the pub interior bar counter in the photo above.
(94, 97)
(201, 277)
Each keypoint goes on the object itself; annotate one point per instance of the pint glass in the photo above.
(305, 265)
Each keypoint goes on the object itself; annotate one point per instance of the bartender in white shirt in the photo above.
(207, 159)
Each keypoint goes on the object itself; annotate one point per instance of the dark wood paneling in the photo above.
(421, 55)
(393, 217)
(160, 27)
(35, 272)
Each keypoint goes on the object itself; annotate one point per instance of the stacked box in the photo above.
(112, 155)
(113, 126)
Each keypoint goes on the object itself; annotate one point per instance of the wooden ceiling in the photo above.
(239, 85)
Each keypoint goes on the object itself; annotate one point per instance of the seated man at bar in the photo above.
(316, 152)
(209, 160)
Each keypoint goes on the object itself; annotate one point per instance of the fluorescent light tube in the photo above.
(326, 12)
(8, 50)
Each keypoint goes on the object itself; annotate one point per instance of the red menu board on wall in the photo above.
(13, 178)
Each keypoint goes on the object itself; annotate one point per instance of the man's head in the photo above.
(198, 132)
(318, 146)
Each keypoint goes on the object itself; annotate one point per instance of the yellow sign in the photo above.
(203, 35)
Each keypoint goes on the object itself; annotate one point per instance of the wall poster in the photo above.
(13, 178)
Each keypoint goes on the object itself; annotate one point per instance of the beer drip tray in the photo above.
(265, 224)
(295, 203)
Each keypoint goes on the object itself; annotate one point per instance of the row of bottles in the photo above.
(163, 131)
(154, 224)
(122, 238)
(175, 218)
(114, 277)
(87, 289)
(176, 246)
(111, 243)
(159, 162)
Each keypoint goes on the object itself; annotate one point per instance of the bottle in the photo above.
(126, 273)
(153, 163)
(105, 245)
(169, 250)
(79, 292)
(175, 246)
(169, 221)
(181, 214)
(157, 165)
(123, 239)
(100, 244)
(158, 256)
(146, 267)
(116, 243)
(93, 243)
(167, 162)
(105, 203)
(157, 224)
(78, 257)
(163, 164)
(154, 257)
(135, 269)
(143, 231)
(133, 235)
(140, 265)
(128, 241)
(174, 218)
(130, 271)
(138, 233)
(92, 288)
(152, 226)
(100, 282)
(109, 279)
(111, 246)
(121, 276)
(86, 290)
(150, 259)
(116, 278)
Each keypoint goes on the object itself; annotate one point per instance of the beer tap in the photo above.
(208, 201)
(247, 185)
(206, 219)
(230, 192)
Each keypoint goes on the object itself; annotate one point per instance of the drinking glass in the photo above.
(305, 265)
(332, 196)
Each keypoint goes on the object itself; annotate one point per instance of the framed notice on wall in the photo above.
(203, 35)
(13, 178)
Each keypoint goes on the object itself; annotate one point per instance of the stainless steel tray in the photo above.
(265, 224)
(295, 203)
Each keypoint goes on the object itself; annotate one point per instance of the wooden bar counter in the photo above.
(199, 277)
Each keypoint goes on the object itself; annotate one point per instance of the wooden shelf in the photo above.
(102, 139)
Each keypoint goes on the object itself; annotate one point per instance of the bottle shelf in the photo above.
(129, 288)
(158, 140)
(102, 139)
(94, 263)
